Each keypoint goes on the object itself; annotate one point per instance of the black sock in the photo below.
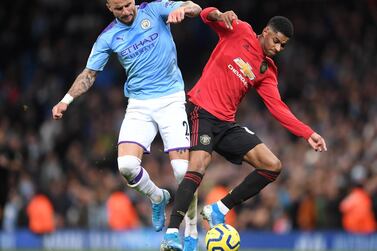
(249, 187)
(183, 197)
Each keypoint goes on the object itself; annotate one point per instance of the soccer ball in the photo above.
(222, 237)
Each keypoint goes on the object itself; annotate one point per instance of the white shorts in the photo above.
(167, 115)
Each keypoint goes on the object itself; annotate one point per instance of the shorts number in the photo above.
(187, 128)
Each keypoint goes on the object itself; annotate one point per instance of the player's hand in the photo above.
(58, 110)
(176, 16)
(317, 142)
(228, 17)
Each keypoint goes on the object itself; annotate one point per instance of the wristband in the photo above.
(67, 99)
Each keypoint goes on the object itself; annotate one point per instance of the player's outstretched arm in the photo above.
(187, 9)
(226, 17)
(81, 84)
(317, 142)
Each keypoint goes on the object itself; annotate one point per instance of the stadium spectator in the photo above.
(41, 214)
(358, 216)
(5, 158)
(121, 213)
(306, 215)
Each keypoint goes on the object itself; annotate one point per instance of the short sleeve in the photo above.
(164, 7)
(99, 55)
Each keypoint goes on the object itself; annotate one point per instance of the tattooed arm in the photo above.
(191, 9)
(81, 84)
(187, 9)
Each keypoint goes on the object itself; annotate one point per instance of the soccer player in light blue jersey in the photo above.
(141, 38)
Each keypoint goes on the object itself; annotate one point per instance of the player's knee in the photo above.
(274, 165)
(129, 166)
(199, 161)
(179, 168)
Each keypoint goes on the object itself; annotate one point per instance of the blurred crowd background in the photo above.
(327, 76)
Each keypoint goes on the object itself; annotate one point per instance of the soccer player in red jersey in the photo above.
(240, 61)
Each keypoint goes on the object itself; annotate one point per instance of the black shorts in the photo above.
(209, 133)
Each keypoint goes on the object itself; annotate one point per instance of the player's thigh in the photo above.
(137, 128)
(236, 143)
(173, 126)
(202, 126)
(262, 157)
(130, 149)
(179, 154)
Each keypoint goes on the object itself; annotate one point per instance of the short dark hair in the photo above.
(281, 24)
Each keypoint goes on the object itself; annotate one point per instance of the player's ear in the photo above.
(266, 30)
(108, 5)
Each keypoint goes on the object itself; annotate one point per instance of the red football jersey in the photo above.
(235, 65)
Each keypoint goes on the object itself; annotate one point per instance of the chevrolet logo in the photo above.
(245, 68)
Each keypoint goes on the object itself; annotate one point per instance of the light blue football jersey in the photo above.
(145, 49)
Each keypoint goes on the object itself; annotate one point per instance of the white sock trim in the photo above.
(191, 221)
(172, 230)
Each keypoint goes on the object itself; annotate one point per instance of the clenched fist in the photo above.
(58, 110)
